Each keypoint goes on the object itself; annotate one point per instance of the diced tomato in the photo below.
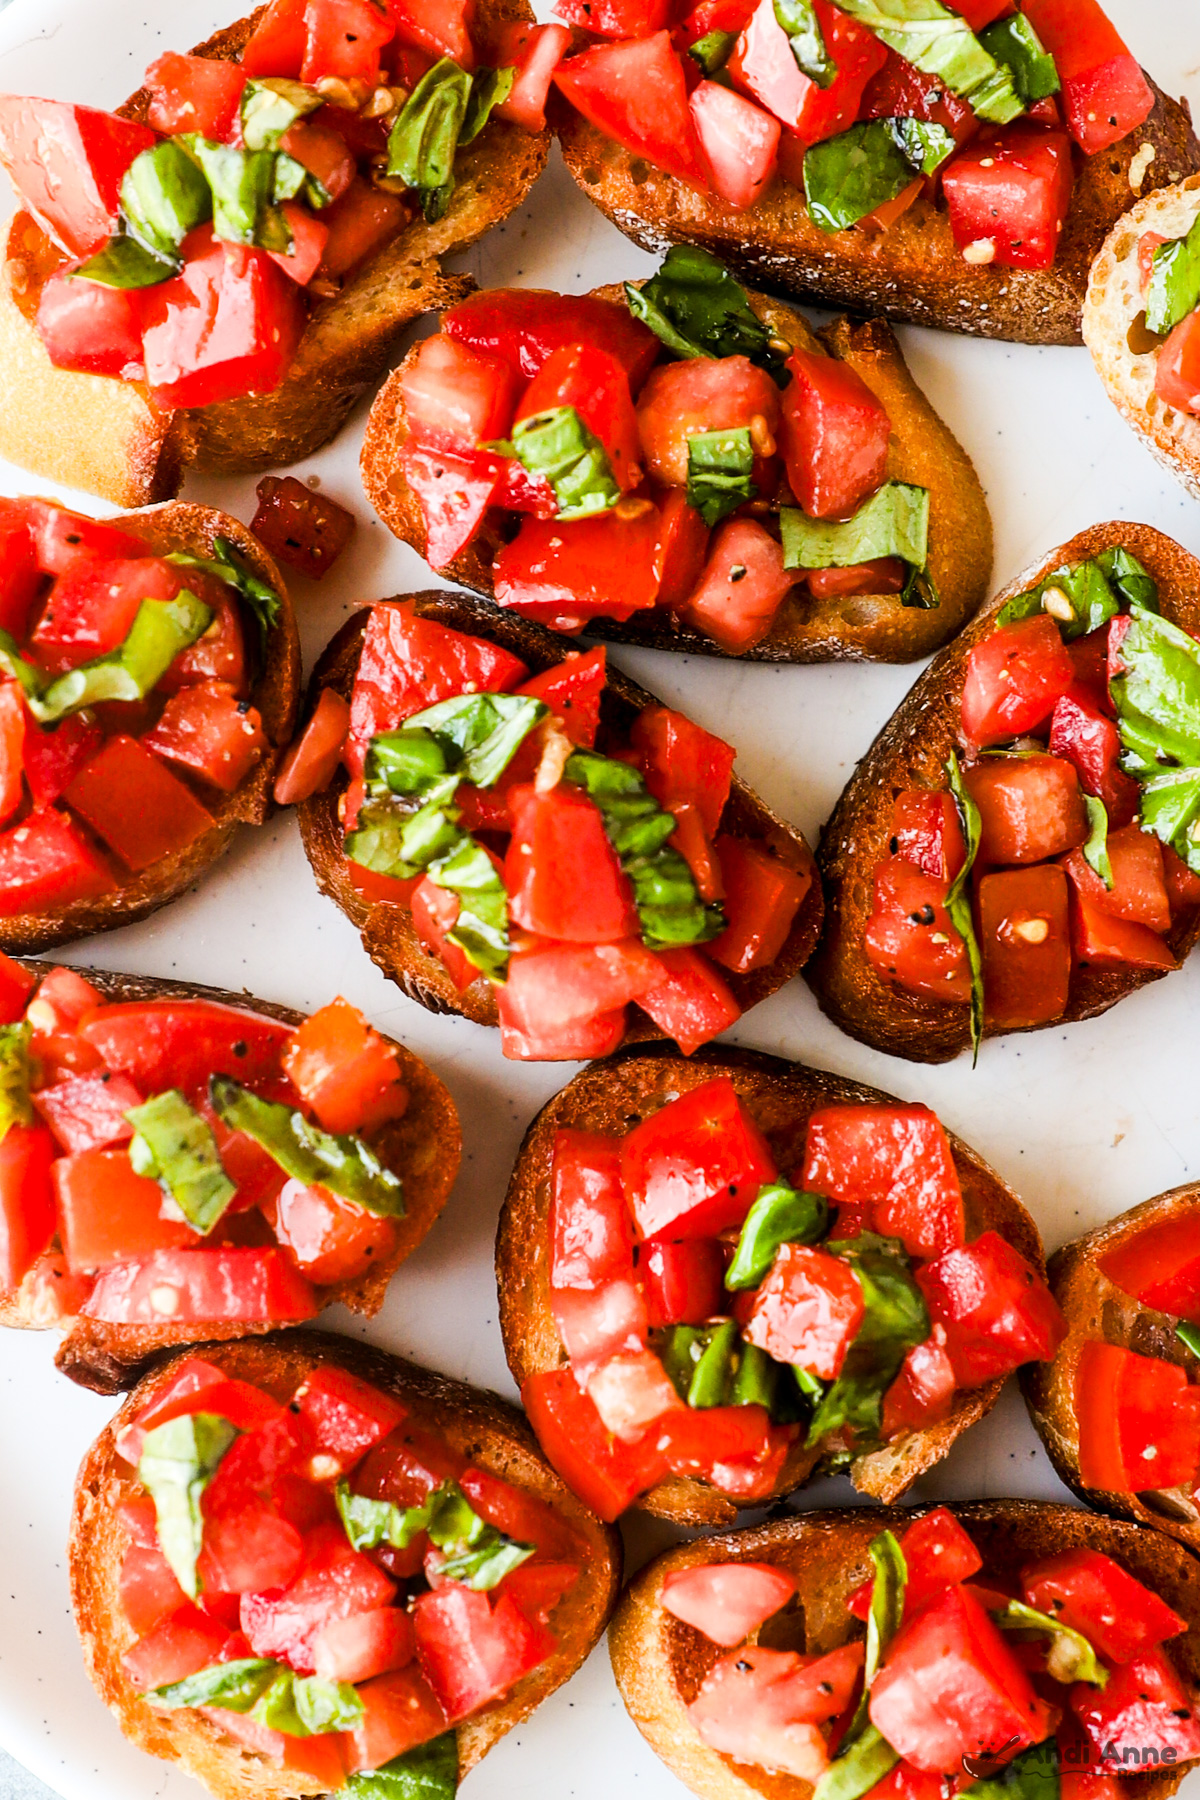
(219, 654)
(739, 142)
(148, 1588)
(198, 1386)
(1030, 807)
(1011, 192)
(1080, 732)
(107, 1213)
(700, 394)
(736, 1448)
(632, 1390)
(902, 91)
(1104, 91)
(400, 1711)
(312, 759)
(535, 53)
(200, 1286)
(1014, 677)
(454, 493)
(552, 987)
(300, 526)
(276, 46)
(194, 93)
(894, 1160)
(1103, 941)
(604, 1472)
(683, 762)
(526, 325)
(67, 541)
(1139, 1421)
(761, 1706)
(456, 398)
(249, 1551)
(225, 327)
(1139, 890)
(344, 1070)
(344, 39)
(434, 915)
(208, 731)
(45, 862)
(537, 1587)
(1093, 1594)
(180, 1043)
(328, 1239)
(937, 1552)
(605, 566)
(617, 18)
(520, 1514)
(1160, 1266)
(335, 1582)
(727, 1601)
(444, 30)
(741, 588)
(366, 1645)
(636, 93)
(995, 1306)
(52, 758)
(910, 937)
(884, 575)
(87, 1112)
(596, 385)
(1177, 367)
(63, 998)
(807, 1311)
(764, 65)
(572, 690)
(67, 163)
(474, 1646)
(1144, 1711)
(923, 1392)
(16, 985)
(691, 1003)
(597, 1324)
(834, 436)
(12, 741)
(1025, 942)
(180, 1645)
(928, 833)
(683, 1282)
(90, 610)
(694, 1167)
(132, 801)
(319, 1758)
(27, 1220)
(347, 1416)
(590, 1241)
(907, 1783)
(90, 328)
(682, 548)
(358, 223)
(20, 577)
(562, 874)
(762, 895)
(576, 1040)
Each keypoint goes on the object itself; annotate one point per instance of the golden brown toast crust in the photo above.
(911, 272)
(858, 628)
(423, 1147)
(387, 931)
(479, 1425)
(1095, 1308)
(133, 451)
(182, 526)
(911, 752)
(615, 1095)
(660, 1662)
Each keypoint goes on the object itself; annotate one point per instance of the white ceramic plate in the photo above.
(1083, 1122)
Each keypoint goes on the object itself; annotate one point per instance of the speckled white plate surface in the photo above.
(1083, 1122)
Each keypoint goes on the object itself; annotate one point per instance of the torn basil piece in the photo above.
(430, 1772)
(228, 566)
(1034, 1775)
(894, 1319)
(474, 736)
(270, 107)
(779, 1215)
(1015, 43)
(924, 146)
(712, 51)
(178, 1461)
(1095, 850)
(798, 21)
(696, 308)
(941, 43)
(425, 134)
(893, 522)
(346, 1165)
(326, 1705)
(855, 1771)
(1174, 283)
(242, 184)
(160, 630)
(884, 1619)
(958, 900)
(481, 928)
(125, 263)
(174, 1146)
(559, 446)
(236, 1686)
(489, 88)
(849, 176)
(719, 468)
(164, 195)
(1071, 1657)
(1189, 1336)
(476, 1553)
(16, 1075)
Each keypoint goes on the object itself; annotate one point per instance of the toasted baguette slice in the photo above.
(423, 1147)
(912, 271)
(182, 526)
(660, 1662)
(109, 437)
(1094, 1307)
(857, 628)
(615, 1095)
(479, 1425)
(911, 752)
(387, 931)
(1114, 329)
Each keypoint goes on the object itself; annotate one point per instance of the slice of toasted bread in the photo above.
(387, 931)
(660, 1662)
(1095, 1308)
(110, 438)
(912, 271)
(182, 526)
(480, 1426)
(615, 1095)
(423, 1147)
(1114, 329)
(911, 752)
(857, 628)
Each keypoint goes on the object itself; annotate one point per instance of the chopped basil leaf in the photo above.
(271, 107)
(174, 1146)
(276, 1708)
(778, 1216)
(958, 900)
(430, 1772)
(893, 522)
(476, 1553)
(1170, 809)
(178, 1461)
(713, 51)
(1014, 42)
(1174, 283)
(124, 263)
(231, 568)
(755, 1379)
(1034, 1775)
(472, 736)
(326, 1705)
(481, 928)
(1078, 597)
(1071, 1657)
(424, 137)
(1158, 698)
(719, 466)
(894, 1320)
(1095, 851)
(1131, 579)
(344, 1164)
(883, 1620)
(919, 591)
(696, 308)
(242, 184)
(851, 175)
(560, 447)
(713, 1373)
(489, 88)
(1189, 1337)
(856, 1771)
(941, 43)
(924, 146)
(16, 1074)
(236, 1686)
(370, 1523)
(664, 890)
(164, 195)
(797, 19)
(160, 630)
(18, 668)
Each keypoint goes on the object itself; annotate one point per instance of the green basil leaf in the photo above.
(755, 1379)
(893, 522)
(941, 43)
(228, 566)
(711, 53)
(1034, 1775)
(164, 195)
(559, 446)
(481, 929)
(475, 736)
(378, 839)
(160, 630)
(1170, 809)
(125, 263)
(883, 1620)
(369, 1523)
(489, 88)
(430, 1772)
(344, 1164)
(1189, 1336)
(242, 184)
(425, 134)
(477, 1554)
(894, 1320)
(1174, 283)
(1071, 1657)
(849, 176)
(1130, 579)
(924, 146)
(1095, 851)
(485, 1566)
(326, 1705)
(1079, 598)
(669, 907)
(713, 1373)
(178, 1461)
(276, 1707)
(696, 308)
(271, 107)
(958, 900)
(1014, 42)
(16, 1075)
(778, 1216)
(860, 1768)
(18, 668)
(1162, 685)
(719, 466)
(797, 19)
(175, 1146)
(236, 1686)
(920, 591)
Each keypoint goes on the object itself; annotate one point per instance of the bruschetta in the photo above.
(1141, 322)
(823, 1278)
(298, 1561)
(1020, 846)
(956, 166)
(178, 1164)
(759, 491)
(295, 182)
(1010, 1645)
(526, 838)
(151, 670)
(1118, 1407)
